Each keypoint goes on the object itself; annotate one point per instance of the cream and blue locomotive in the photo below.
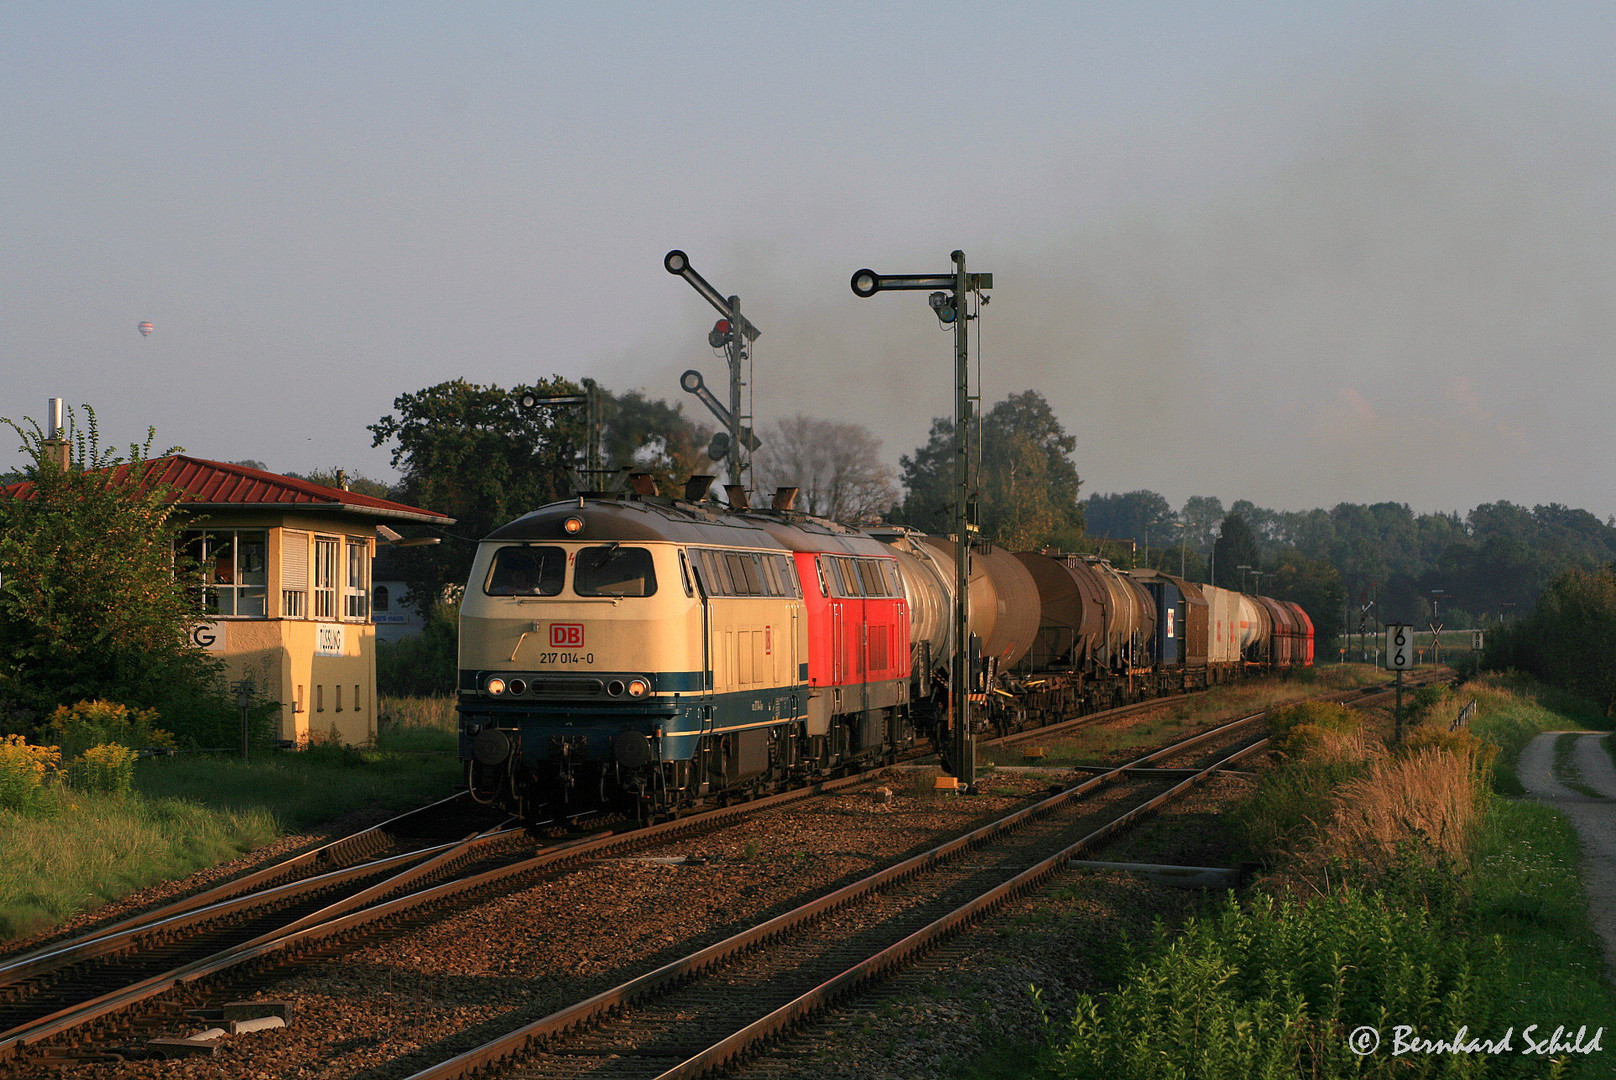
(636, 653)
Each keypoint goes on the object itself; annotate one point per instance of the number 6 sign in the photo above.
(1399, 647)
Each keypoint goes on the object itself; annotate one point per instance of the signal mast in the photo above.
(733, 333)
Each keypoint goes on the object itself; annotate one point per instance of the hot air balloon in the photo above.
(146, 328)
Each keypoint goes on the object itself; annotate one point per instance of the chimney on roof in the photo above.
(696, 487)
(643, 483)
(737, 497)
(342, 479)
(785, 498)
(56, 446)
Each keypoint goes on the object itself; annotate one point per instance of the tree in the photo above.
(341, 478)
(1569, 638)
(1027, 486)
(1235, 547)
(472, 453)
(836, 466)
(1201, 515)
(1315, 585)
(1141, 516)
(650, 435)
(92, 604)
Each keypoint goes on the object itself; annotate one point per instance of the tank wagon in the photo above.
(643, 653)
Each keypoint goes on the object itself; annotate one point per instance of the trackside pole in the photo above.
(1398, 737)
(953, 307)
(1400, 658)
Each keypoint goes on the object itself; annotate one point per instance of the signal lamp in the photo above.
(943, 305)
(720, 335)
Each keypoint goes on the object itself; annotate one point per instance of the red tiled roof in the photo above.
(204, 483)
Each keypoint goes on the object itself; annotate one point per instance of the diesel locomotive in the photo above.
(642, 653)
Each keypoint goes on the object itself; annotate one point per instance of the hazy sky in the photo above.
(1296, 253)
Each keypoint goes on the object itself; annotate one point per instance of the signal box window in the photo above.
(526, 571)
(614, 571)
(235, 579)
(326, 552)
(356, 594)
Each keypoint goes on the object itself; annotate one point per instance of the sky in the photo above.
(1297, 253)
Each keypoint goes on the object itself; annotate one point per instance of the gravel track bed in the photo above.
(436, 987)
(440, 986)
(972, 997)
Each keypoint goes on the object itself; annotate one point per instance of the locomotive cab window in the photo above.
(526, 571)
(614, 570)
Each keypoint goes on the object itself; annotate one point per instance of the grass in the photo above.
(299, 789)
(1512, 710)
(99, 848)
(1526, 890)
(417, 725)
(193, 811)
(1473, 914)
(1181, 716)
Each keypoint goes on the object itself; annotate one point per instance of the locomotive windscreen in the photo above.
(526, 571)
(614, 571)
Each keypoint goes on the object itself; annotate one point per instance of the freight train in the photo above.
(643, 653)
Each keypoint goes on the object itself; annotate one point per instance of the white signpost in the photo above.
(1399, 647)
(1399, 658)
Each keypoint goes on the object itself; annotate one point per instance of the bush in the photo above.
(1306, 726)
(87, 724)
(108, 769)
(1268, 989)
(26, 775)
(426, 665)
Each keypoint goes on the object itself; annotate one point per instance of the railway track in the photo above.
(50, 994)
(302, 906)
(704, 1010)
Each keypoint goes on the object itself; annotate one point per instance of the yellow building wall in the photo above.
(323, 672)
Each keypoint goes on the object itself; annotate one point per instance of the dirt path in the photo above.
(1593, 815)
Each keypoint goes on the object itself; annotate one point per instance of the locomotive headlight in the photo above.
(495, 686)
(638, 688)
(573, 525)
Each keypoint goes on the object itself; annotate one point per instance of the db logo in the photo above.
(566, 635)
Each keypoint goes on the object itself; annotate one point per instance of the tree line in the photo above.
(472, 452)
(1466, 570)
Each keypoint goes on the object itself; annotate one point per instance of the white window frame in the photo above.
(356, 581)
(217, 588)
(327, 566)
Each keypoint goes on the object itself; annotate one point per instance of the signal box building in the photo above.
(287, 588)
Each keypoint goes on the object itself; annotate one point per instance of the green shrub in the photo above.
(86, 724)
(1426, 703)
(425, 665)
(1270, 990)
(1303, 726)
(108, 769)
